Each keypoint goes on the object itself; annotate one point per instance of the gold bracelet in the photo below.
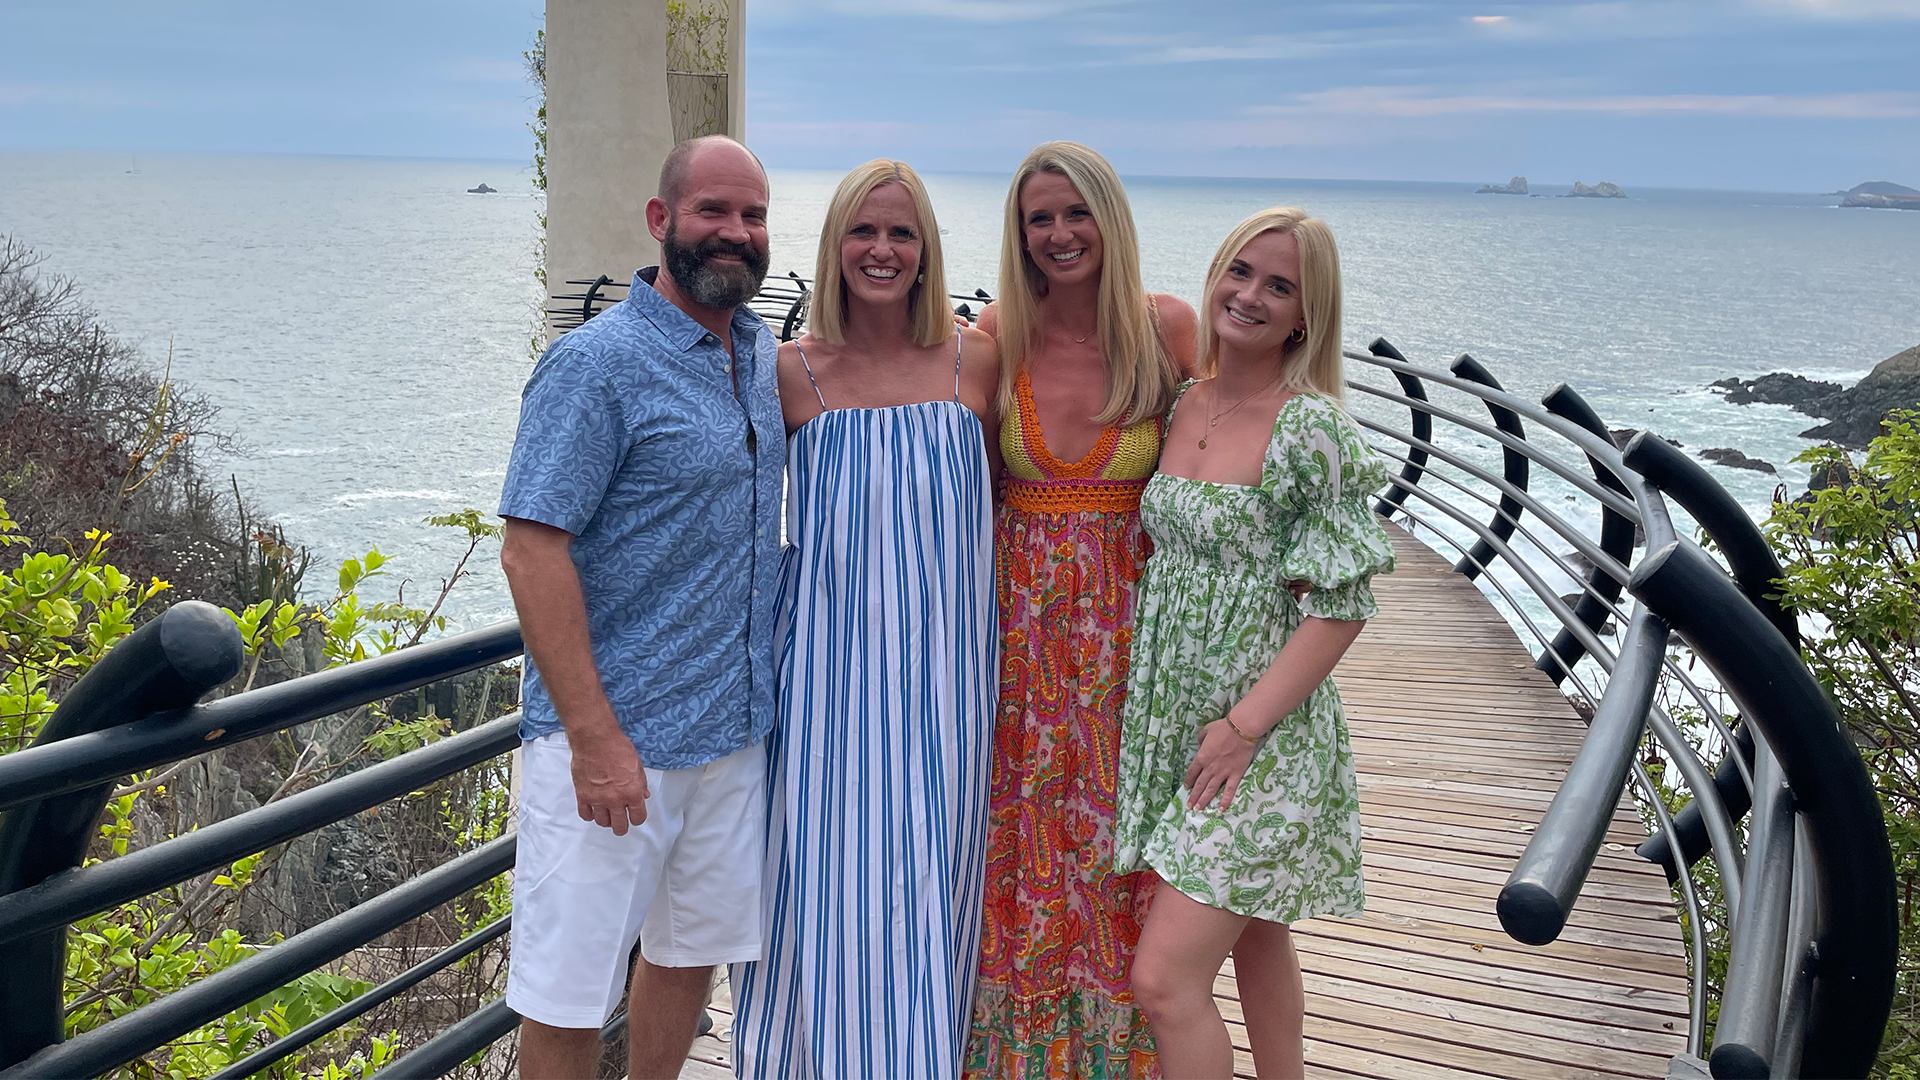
(1237, 731)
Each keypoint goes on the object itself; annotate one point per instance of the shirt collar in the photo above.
(677, 326)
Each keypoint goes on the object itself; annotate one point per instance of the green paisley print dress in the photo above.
(1214, 611)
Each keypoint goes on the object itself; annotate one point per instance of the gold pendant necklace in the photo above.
(1213, 419)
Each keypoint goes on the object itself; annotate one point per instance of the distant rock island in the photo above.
(483, 189)
(1605, 189)
(1515, 186)
(1881, 195)
(1853, 413)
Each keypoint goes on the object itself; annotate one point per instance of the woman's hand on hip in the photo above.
(1219, 766)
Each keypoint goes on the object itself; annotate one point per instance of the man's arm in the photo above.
(609, 785)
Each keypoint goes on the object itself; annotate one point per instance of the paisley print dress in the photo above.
(1214, 612)
(1060, 924)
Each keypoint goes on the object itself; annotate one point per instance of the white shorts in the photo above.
(686, 883)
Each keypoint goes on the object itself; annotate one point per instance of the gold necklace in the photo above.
(1213, 419)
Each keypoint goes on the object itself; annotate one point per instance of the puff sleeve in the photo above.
(1319, 468)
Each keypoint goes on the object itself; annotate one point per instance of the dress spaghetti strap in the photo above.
(810, 378)
(957, 339)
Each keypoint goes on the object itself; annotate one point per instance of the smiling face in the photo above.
(713, 237)
(1060, 234)
(880, 253)
(1256, 304)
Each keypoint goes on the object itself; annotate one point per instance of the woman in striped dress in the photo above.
(878, 769)
(1089, 361)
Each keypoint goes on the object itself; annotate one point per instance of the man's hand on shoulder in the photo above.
(609, 781)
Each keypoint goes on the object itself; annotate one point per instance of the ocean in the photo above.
(363, 323)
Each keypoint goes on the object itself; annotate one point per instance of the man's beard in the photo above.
(708, 284)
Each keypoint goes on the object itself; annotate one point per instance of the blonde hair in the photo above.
(1313, 364)
(1141, 374)
(929, 316)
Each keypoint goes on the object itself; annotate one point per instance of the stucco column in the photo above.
(737, 69)
(607, 132)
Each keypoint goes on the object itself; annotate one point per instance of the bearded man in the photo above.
(642, 548)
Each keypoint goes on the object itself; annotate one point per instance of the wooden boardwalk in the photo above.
(1460, 745)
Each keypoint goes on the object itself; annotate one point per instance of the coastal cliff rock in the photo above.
(1894, 383)
(1883, 202)
(1881, 195)
(1515, 186)
(1854, 413)
(1605, 189)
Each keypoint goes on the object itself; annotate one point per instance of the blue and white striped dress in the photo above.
(878, 767)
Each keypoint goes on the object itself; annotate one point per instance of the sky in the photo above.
(1781, 95)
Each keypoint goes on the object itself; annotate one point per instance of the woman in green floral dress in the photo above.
(1236, 780)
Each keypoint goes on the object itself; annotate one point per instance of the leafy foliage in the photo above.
(59, 614)
(1851, 551)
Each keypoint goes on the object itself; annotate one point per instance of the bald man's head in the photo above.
(711, 220)
(679, 167)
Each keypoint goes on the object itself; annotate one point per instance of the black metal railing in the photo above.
(1804, 888)
(782, 302)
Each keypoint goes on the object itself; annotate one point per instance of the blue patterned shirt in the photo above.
(632, 439)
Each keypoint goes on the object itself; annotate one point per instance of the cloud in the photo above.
(1151, 49)
(1848, 9)
(1416, 101)
(960, 11)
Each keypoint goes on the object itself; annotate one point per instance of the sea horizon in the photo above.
(525, 166)
(363, 322)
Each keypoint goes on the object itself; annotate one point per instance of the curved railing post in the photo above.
(167, 664)
(1514, 465)
(1743, 1038)
(1748, 555)
(797, 311)
(1540, 893)
(1858, 927)
(593, 293)
(1422, 430)
(1616, 539)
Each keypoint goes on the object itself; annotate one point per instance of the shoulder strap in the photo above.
(810, 378)
(958, 342)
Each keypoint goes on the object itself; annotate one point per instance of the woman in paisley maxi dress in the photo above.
(877, 773)
(1236, 779)
(1089, 364)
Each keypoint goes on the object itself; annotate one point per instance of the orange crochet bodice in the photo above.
(1110, 478)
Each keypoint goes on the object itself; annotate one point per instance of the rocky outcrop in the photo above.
(1734, 459)
(1853, 413)
(1623, 435)
(1879, 187)
(1810, 396)
(1605, 189)
(1883, 202)
(1894, 383)
(483, 189)
(1515, 186)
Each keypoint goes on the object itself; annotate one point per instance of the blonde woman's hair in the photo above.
(1313, 364)
(929, 315)
(1141, 373)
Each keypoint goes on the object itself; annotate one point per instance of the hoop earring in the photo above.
(1299, 335)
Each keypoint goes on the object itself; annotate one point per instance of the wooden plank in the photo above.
(1551, 984)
